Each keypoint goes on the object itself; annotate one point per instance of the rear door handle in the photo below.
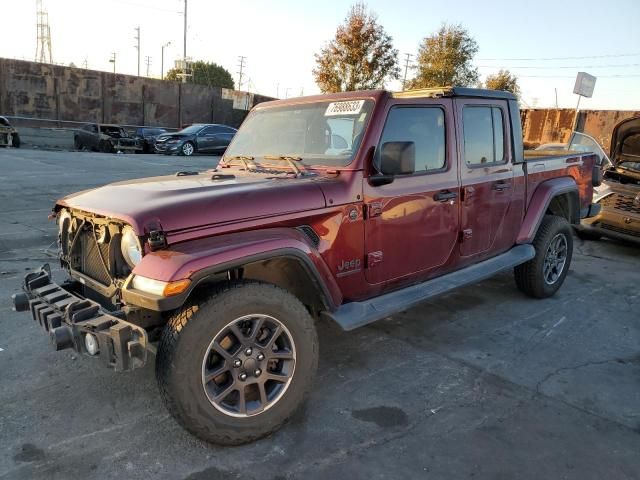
(501, 185)
(445, 195)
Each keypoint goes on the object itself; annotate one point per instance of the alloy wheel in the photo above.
(555, 259)
(249, 365)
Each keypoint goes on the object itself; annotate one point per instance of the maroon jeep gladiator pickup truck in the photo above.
(345, 208)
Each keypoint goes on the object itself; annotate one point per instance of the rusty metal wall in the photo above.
(39, 90)
(555, 125)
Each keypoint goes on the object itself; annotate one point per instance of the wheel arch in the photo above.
(279, 256)
(558, 196)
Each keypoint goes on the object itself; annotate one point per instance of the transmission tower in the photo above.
(43, 45)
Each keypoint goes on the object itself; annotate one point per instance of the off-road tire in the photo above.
(186, 338)
(529, 276)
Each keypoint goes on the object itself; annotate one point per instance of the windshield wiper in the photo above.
(290, 159)
(245, 159)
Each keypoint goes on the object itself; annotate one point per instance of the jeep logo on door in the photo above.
(349, 266)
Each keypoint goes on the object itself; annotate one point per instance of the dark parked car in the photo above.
(8, 135)
(105, 138)
(196, 138)
(147, 137)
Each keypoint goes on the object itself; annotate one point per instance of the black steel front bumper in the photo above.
(69, 318)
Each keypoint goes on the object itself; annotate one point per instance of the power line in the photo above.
(573, 76)
(613, 55)
(539, 67)
(140, 5)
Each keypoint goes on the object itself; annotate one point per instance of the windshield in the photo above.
(192, 129)
(322, 133)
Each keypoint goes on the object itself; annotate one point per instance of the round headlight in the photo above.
(64, 221)
(130, 247)
(64, 227)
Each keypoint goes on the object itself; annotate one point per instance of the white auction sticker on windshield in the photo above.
(351, 107)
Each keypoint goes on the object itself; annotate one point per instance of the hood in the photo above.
(191, 201)
(625, 141)
(166, 136)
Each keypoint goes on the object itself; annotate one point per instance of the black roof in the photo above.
(456, 92)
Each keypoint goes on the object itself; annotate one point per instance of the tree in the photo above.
(204, 73)
(444, 59)
(503, 80)
(360, 57)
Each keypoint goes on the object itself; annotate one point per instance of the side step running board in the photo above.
(356, 314)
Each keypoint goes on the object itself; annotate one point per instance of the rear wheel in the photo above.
(77, 144)
(543, 275)
(105, 146)
(234, 367)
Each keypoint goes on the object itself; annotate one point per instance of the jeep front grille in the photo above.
(90, 262)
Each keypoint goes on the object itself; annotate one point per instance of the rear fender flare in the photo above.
(540, 202)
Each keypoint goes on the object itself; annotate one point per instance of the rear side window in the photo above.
(483, 135)
(425, 127)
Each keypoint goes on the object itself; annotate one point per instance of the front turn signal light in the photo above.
(158, 287)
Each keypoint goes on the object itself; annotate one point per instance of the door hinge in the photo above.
(374, 209)
(374, 258)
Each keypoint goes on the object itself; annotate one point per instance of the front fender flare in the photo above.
(200, 259)
(540, 202)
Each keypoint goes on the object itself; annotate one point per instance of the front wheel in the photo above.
(234, 367)
(187, 149)
(15, 141)
(543, 275)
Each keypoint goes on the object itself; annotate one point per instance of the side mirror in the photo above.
(395, 158)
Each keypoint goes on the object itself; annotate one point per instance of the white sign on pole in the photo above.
(585, 84)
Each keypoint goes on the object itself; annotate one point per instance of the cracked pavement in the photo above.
(482, 382)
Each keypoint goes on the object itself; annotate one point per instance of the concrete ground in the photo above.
(480, 383)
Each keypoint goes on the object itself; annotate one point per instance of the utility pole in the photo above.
(556, 97)
(184, 52)
(137, 39)
(162, 60)
(406, 69)
(242, 61)
(43, 45)
(113, 60)
(147, 61)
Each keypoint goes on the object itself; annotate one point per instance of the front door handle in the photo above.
(501, 185)
(445, 195)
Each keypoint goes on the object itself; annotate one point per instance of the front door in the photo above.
(486, 173)
(412, 223)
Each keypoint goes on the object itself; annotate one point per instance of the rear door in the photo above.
(486, 173)
(209, 139)
(411, 224)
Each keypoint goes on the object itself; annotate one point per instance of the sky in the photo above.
(545, 43)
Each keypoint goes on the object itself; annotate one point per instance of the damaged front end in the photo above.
(73, 321)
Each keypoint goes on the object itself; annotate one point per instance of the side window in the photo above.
(210, 131)
(483, 135)
(425, 127)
